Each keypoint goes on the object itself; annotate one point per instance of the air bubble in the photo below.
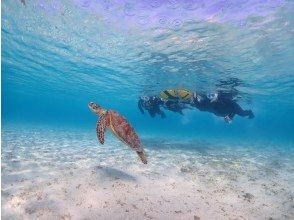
(173, 4)
(129, 9)
(143, 20)
(155, 3)
(191, 4)
(176, 24)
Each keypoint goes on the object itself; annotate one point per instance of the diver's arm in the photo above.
(140, 106)
(162, 114)
(180, 111)
(151, 113)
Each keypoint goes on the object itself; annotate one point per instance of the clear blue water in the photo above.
(57, 56)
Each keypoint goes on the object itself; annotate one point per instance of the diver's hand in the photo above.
(228, 119)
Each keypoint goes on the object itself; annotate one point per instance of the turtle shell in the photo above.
(123, 130)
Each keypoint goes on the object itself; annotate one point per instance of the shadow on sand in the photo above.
(109, 173)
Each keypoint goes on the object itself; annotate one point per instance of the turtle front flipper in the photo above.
(142, 156)
(100, 128)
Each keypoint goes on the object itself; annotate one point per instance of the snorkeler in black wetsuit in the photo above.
(175, 106)
(220, 105)
(152, 105)
(176, 100)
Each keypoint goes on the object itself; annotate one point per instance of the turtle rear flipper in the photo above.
(142, 156)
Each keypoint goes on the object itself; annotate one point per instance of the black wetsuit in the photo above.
(221, 106)
(174, 106)
(152, 105)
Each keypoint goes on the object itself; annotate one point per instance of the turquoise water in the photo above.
(57, 56)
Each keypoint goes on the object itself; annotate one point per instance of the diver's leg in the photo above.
(140, 105)
(243, 113)
(249, 113)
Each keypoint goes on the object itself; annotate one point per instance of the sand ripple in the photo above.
(48, 174)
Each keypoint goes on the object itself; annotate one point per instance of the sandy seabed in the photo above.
(49, 174)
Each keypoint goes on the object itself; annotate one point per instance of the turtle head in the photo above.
(97, 108)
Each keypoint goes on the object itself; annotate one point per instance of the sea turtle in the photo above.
(119, 126)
